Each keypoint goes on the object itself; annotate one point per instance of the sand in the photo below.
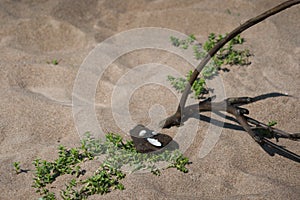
(36, 97)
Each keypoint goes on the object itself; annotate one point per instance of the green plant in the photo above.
(101, 182)
(48, 195)
(180, 164)
(199, 86)
(272, 123)
(185, 43)
(17, 167)
(46, 172)
(53, 62)
(119, 153)
(227, 55)
(266, 132)
(177, 83)
(123, 154)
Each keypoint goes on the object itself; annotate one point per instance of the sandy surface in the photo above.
(36, 97)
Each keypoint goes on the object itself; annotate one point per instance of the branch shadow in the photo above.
(217, 122)
(269, 95)
(268, 146)
(273, 149)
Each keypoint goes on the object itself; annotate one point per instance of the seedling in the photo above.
(119, 153)
(228, 11)
(185, 43)
(180, 164)
(227, 55)
(17, 167)
(103, 180)
(272, 123)
(199, 86)
(53, 62)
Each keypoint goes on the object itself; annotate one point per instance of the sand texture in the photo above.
(36, 97)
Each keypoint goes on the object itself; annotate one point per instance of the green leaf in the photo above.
(272, 123)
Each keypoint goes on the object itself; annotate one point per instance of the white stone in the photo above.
(154, 142)
(142, 133)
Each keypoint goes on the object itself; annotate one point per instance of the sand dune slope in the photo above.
(36, 96)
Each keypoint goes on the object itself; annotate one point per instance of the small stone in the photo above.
(142, 133)
(154, 142)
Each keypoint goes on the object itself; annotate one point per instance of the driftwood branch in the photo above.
(175, 119)
(259, 131)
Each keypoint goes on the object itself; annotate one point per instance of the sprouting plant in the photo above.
(228, 11)
(268, 133)
(183, 43)
(177, 83)
(48, 195)
(198, 52)
(17, 167)
(199, 86)
(272, 123)
(175, 41)
(227, 55)
(53, 62)
(46, 172)
(180, 164)
(123, 154)
(103, 180)
(119, 153)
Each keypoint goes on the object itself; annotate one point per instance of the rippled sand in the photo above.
(36, 97)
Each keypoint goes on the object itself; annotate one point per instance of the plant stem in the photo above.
(175, 119)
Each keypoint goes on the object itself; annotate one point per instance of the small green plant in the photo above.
(53, 62)
(48, 195)
(185, 43)
(17, 167)
(268, 133)
(199, 86)
(175, 41)
(272, 123)
(228, 11)
(46, 172)
(123, 154)
(178, 83)
(103, 180)
(119, 154)
(180, 164)
(227, 55)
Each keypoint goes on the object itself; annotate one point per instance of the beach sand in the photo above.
(36, 97)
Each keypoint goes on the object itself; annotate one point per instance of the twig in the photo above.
(175, 119)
